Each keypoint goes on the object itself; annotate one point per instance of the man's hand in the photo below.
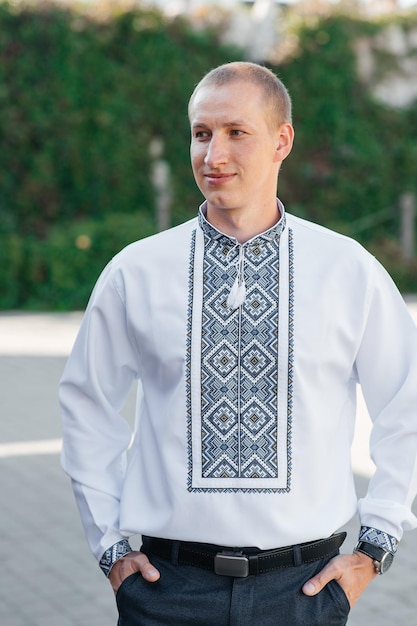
(353, 572)
(129, 564)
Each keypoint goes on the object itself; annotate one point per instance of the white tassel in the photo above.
(237, 295)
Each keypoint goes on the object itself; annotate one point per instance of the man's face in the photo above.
(233, 150)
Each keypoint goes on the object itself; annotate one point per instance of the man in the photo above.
(248, 330)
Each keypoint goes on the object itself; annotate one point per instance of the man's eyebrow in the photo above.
(238, 122)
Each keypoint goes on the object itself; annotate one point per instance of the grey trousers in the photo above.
(189, 596)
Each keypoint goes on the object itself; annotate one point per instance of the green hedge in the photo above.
(11, 261)
(353, 156)
(59, 273)
(82, 98)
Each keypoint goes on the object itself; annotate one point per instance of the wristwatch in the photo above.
(382, 559)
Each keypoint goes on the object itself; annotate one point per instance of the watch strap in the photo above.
(375, 552)
(381, 558)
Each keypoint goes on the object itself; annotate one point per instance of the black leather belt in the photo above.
(241, 562)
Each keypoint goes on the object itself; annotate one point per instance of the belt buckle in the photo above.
(231, 564)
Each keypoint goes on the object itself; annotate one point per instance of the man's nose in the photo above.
(216, 152)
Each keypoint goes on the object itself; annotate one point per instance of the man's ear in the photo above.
(285, 140)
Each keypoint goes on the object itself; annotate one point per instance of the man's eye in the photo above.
(236, 132)
(201, 134)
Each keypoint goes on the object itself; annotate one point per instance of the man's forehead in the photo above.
(234, 100)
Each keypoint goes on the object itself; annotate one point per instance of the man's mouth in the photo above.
(218, 178)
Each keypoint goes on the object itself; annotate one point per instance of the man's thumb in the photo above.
(311, 588)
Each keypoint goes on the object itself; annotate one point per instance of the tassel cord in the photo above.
(237, 295)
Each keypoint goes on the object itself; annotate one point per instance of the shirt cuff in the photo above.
(378, 538)
(114, 554)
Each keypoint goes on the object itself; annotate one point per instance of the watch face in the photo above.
(385, 563)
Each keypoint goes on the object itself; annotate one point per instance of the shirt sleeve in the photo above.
(114, 554)
(93, 390)
(378, 538)
(386, 366)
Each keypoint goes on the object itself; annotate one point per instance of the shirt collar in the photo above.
(268, 235)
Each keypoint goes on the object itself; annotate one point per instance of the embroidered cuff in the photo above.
(378, 538)
(113, 554)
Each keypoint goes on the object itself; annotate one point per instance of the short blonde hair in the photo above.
(275, 92)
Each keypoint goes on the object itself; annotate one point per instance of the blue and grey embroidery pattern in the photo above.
(379, 538)
(239, 443)
(239, 372)
(113, 554)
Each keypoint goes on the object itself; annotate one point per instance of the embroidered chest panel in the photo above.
(239, 365)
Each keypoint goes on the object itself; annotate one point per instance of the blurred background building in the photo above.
(255, 26)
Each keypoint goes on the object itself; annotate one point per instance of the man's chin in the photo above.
(220, 202)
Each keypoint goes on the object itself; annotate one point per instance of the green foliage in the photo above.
(82, 97)
(11, 259)
(80, 101)
(62, 271)
(353, 156)
(388, 252)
